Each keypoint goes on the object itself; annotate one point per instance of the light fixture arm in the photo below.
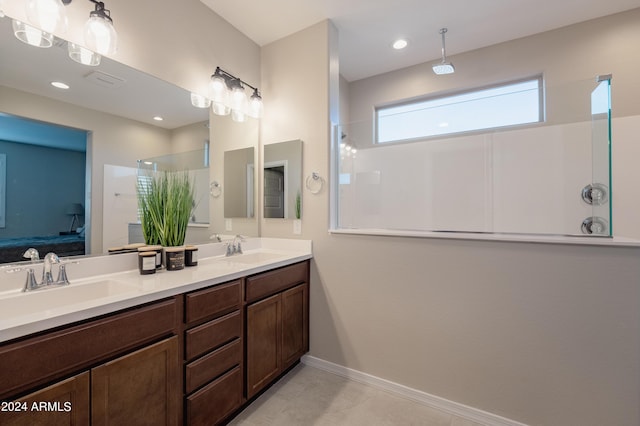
(444, 52)
(99, 10)
(229, 78)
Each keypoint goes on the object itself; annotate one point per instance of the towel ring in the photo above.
(314, 183)
(215, 189)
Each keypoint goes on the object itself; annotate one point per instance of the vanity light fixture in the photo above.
(227, 94)
(200, 101)
(30, 35)
(83, 55)
(47, 17)
(99, 34)
(443, 67)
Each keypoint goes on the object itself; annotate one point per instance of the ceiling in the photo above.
(367, 28)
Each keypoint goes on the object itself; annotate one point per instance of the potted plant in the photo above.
(165, 200)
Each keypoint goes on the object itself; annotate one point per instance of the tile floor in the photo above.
(309, 396)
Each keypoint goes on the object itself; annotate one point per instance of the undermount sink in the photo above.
(60, 296)
(256, 257)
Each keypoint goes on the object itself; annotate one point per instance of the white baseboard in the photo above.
(460, 410)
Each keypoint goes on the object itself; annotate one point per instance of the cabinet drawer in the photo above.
(212, 334)
(212, 365)
(213, 301)
(71, 349)
(268, 283)
(216, 401)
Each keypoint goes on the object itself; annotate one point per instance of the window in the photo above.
(509, 104)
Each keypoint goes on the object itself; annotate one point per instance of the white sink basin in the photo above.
(256, 257)
(56, 297)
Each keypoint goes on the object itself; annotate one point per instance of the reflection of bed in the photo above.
(12, 249)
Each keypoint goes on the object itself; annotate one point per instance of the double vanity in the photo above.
(176, 347)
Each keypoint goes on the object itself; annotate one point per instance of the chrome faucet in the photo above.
(50, 259)
(47, 275)
(235, 247)
(31, 254)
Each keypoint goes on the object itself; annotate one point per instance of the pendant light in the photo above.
(443, 67)
(99, 34)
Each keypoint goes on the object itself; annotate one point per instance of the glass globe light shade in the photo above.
(83, 55)
(48, 15)
(100, 36)
(30, 35)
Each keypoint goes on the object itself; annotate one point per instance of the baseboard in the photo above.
(460, 410)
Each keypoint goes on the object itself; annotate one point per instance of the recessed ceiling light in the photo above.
(400, 44)
(59, 85)
(158, 118)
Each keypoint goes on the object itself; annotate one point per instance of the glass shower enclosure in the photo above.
(549, 178)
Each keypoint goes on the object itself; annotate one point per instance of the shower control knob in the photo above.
(594, 225)
(595, 194)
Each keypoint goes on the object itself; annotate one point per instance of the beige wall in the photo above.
(539, 333)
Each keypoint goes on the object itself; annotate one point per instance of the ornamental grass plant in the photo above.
(165, 200)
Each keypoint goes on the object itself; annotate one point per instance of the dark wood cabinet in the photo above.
(191, 359)
(62, 404)
(141, 388)
(214, 367)
(277, 327)
(264, 343)
(295, 324)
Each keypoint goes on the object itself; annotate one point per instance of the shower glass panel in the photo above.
(521, 180)
(601, 219)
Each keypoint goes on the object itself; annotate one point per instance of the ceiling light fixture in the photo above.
(60, 85)
(47, 17)
(227, 94)
(400, 44)
(443, 67)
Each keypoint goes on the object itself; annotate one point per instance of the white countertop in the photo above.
(93, 292)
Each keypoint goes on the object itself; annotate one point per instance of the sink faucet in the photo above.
(235, 247)
(31, 254)
(47, 276)
(49, 260)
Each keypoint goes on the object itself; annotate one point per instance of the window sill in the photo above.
(524, 238)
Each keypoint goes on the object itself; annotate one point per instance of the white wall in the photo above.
(543, 334)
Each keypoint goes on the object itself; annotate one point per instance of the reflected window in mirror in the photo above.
(282, 173)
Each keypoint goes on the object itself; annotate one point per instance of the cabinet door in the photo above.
(62, 404)
(142, 388)
(295, 324)
(264, 337)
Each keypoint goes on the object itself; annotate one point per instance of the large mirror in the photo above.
(282, 180)
(114, 107)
